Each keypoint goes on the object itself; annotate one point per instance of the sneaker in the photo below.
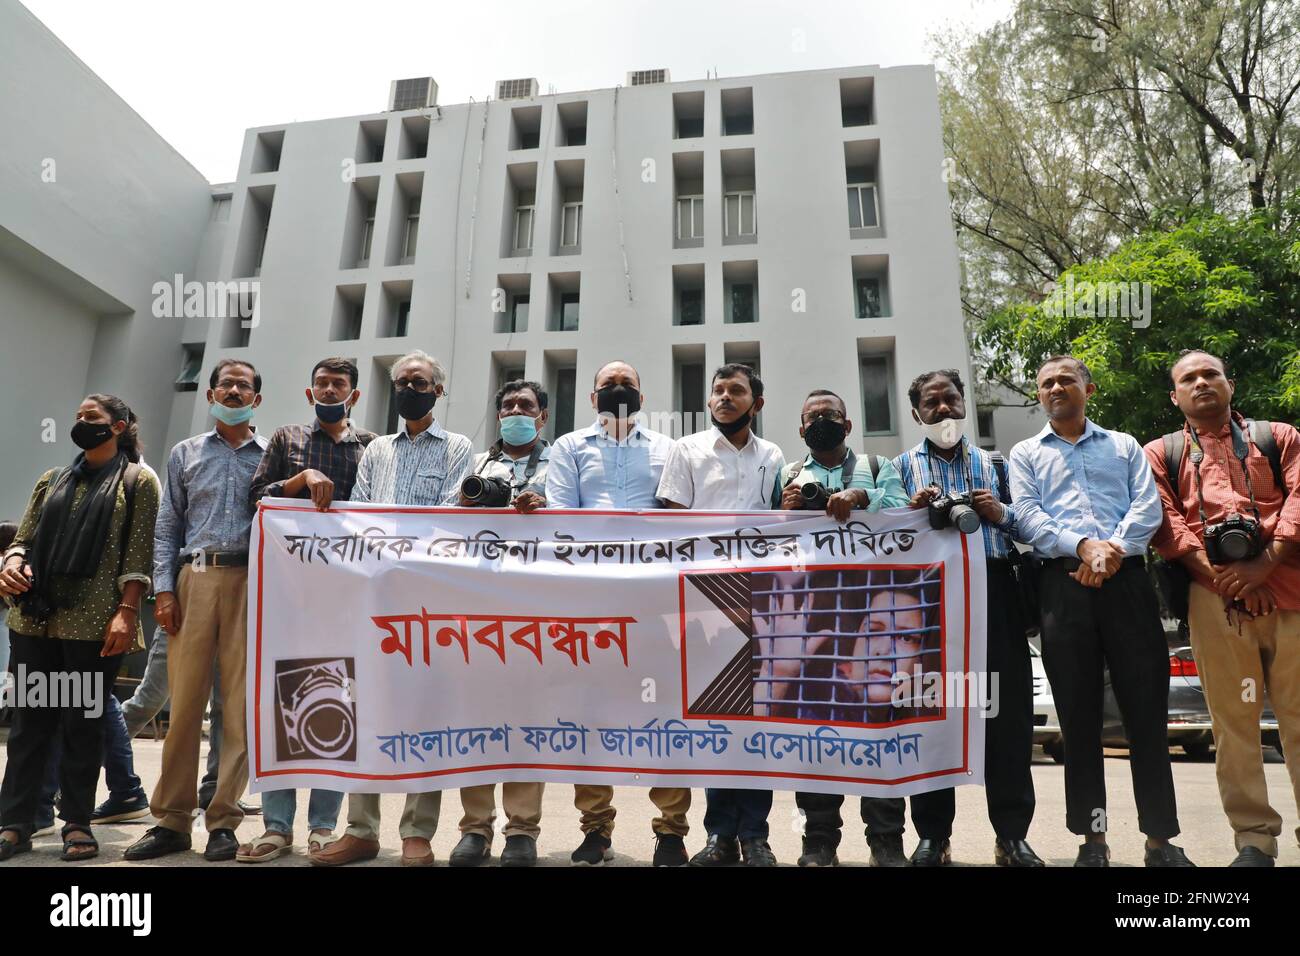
(888, 851)
(116, 809)
(757, 853)
(817, 851)
(670, 850)
(594, 850)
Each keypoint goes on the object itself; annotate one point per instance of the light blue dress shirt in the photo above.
(1100, 487)
(591, 470)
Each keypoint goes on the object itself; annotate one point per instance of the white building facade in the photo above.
(797, 222)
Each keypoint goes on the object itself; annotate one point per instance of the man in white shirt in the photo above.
(728, 468)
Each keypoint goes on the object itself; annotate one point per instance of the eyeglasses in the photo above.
(417, 384)
(831, 416)
(232, 385)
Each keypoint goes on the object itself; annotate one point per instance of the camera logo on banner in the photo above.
(315, 701)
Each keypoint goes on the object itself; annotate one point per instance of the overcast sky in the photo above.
(201, 72)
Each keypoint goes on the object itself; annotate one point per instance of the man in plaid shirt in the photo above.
(316, 461)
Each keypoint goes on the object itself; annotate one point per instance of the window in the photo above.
(412, 228)
(568, 314)
(739, 219)
(692, 307)
(566, 394)
(524, 227)
(261, 250)
(518, 314)
(367, 236)
(862, 205)
(690, 217)
(737, 111)
(403, 318)
(221, 209)
(742, 302)
(876, 395)
(571, 225)
(188, 380)
(351, 324)
(984, 417)
(868, 295)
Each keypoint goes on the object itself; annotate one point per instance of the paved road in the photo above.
(1206, 836)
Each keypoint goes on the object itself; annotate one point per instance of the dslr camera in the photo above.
(954, 511)
(1236, 538)
(486, 492)
(814, 496)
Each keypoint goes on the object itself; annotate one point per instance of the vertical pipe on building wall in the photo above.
(618, 206)
(478, 180)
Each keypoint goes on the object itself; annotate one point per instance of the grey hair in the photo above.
(439, 375)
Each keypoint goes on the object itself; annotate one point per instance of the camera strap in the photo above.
(848, 468)
(530, 469)
(1240, 451)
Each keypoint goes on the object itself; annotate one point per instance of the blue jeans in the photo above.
(119, 764)
(279, 807)
(735, 814)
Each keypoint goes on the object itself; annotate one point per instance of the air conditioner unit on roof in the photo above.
(418, 93)
(520, 89)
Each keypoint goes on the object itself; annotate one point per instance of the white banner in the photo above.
(411, 649)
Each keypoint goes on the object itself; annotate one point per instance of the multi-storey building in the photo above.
(797, 221)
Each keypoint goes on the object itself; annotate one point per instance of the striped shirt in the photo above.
(296, 448)
(920, 469)
(425, 470)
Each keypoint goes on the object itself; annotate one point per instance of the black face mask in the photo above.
(730, 428)
(413, 405)
(824, 435)
(88, 435)
(615, 399)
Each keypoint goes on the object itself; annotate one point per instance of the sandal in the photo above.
(10, 848)
(71, 843)
(268, 846)
(318, 840)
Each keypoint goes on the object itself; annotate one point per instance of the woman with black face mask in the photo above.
(74, 578)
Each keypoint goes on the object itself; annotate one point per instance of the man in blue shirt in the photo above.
(945, 462)
(615, 463)
(1085, 499)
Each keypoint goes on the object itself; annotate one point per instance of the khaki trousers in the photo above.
(522, 803)
(1235, 668)
(597, 806)
(214, 626)
(419, 815)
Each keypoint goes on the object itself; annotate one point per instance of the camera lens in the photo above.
(473, 487)
(1234, 545)
(964, 519)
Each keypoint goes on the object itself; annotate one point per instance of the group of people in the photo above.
(1083, 502)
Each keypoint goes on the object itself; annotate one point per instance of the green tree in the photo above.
(1226, 284)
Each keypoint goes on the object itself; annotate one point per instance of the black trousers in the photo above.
(36, 725)
(884, 817)
(1009, 736)
(1117, 626)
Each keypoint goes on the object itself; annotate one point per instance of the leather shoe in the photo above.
(519, 850)
(416, 852)
(932, 853)
(156, 842)
(887, 851)
(1015, 853)
(1252, 856)
(222, 846)
(1167, 855)
(346, 849)
(472, 850)
(1093, 854)
(719, 851)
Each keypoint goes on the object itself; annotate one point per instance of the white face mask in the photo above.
(944, 434)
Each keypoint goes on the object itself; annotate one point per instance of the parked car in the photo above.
(1189, 717)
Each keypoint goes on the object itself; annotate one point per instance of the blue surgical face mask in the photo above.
(231, 416)
(518, 429)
